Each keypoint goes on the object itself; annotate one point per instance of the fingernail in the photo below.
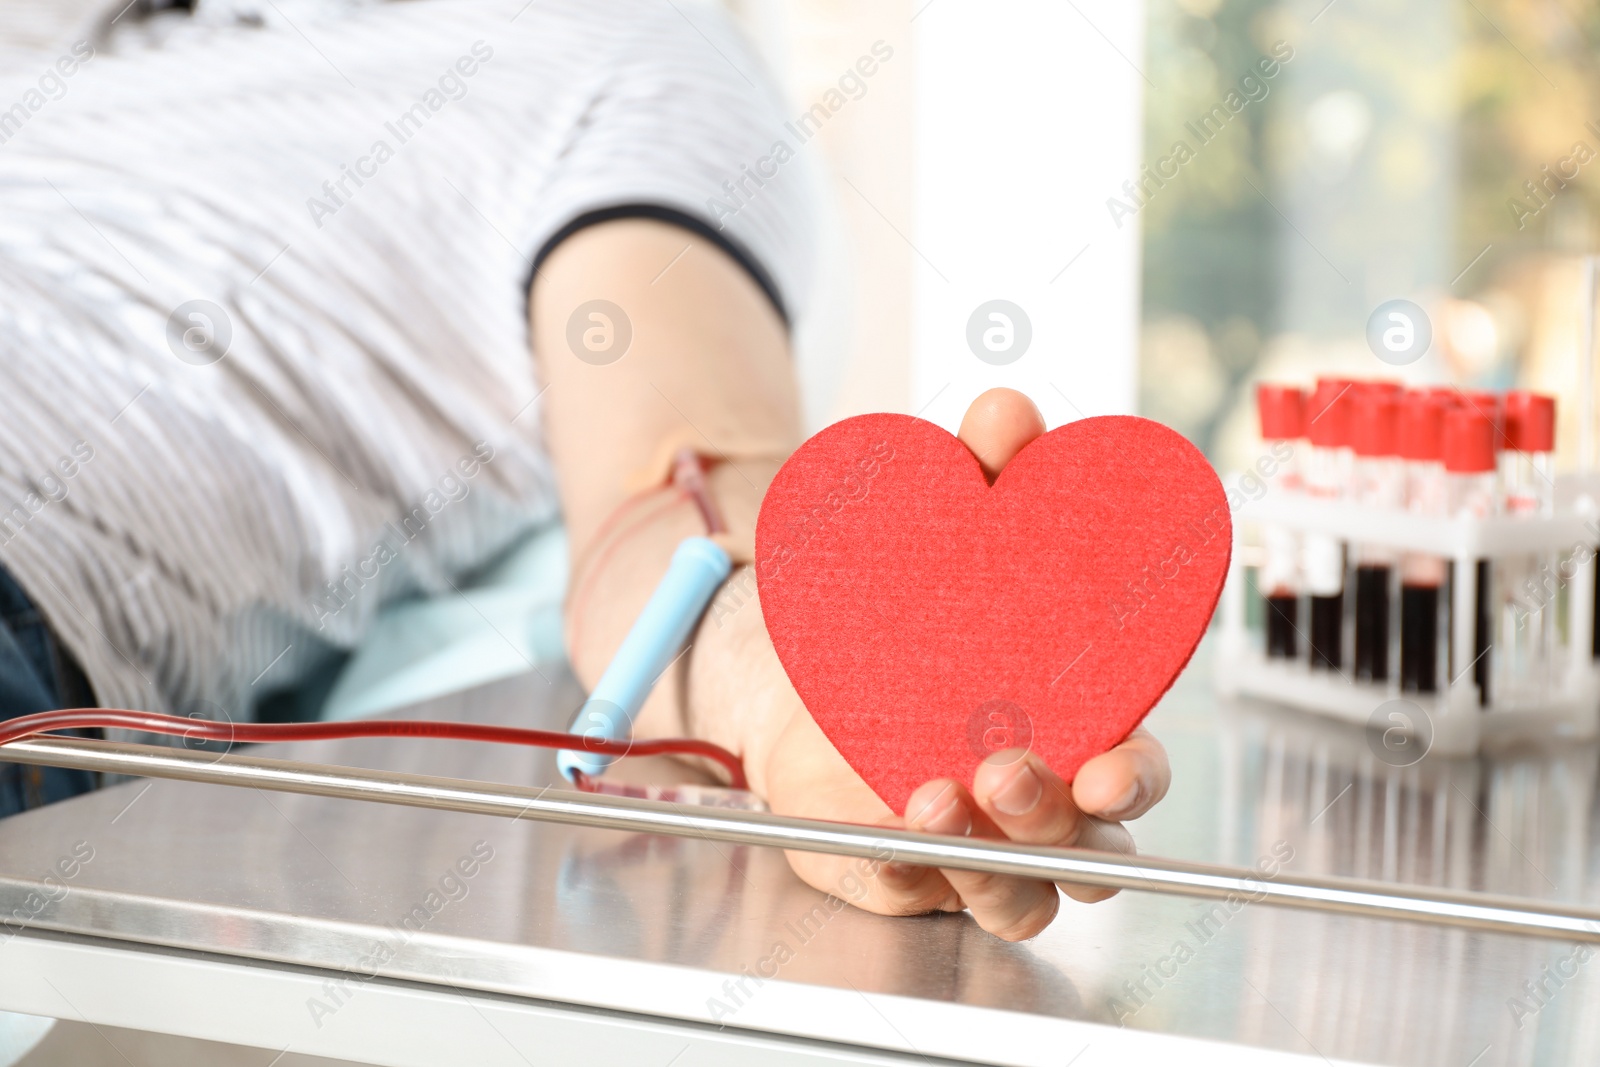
(1020, 795)
(945, 814)
(1125, 803)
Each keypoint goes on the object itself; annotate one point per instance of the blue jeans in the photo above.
(36, 674)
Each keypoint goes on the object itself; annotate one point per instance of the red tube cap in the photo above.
(1488, 403)
(1373, 423)
(1421, 426)
(1328, 413)
(1282, 411)
(1530, 420)
(1468, 441)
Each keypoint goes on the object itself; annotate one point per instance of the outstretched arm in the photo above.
(709, 367)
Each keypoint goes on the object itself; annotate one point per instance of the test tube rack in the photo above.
(1458, 722)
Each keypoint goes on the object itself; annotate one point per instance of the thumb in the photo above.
(997, 426)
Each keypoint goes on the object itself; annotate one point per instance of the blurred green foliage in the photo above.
(1208, 235)
(1512, 83)
(1527, 87)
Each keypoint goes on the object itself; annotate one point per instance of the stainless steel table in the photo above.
(409, 937)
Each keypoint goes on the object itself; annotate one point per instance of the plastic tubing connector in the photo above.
(698, 569)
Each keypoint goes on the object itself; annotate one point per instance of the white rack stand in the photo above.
(1460, 725)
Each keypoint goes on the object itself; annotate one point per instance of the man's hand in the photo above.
(1014, 795)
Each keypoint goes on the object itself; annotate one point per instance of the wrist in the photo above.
(727, 686)
(611, 581)
(737, 693)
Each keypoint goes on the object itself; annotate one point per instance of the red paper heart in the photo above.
(928, 620)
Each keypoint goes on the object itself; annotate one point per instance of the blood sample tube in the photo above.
(1528, 584)
(1281, 409)
(1422, 574)
(1527, 464)
(1327, 477)
(1379, 484)
(1450, 396)
(1468, 446)
(1488, 403)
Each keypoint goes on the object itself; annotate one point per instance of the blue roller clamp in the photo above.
(698, 569)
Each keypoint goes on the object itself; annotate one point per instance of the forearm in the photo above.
(715, 690)
(709, 369)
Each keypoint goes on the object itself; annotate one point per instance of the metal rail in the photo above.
(1377, 900)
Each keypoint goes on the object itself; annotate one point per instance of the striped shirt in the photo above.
(263, 297)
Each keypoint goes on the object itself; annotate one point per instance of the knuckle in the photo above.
(929, 892)
(1008, 902)
(920, 903)
(1027, 923)
(1065, 828)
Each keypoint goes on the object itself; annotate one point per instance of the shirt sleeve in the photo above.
(681, 123)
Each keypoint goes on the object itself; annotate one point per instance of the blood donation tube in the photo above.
(1528, 584)
(1327, 477)
(698, 568)
(1422, 574)
(1378, 483)
(1527, 464)
(1468, 447)
(1281, 410)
